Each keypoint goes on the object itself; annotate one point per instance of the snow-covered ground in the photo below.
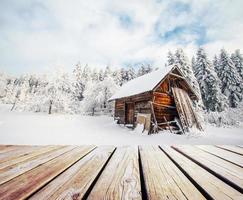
(40, 128)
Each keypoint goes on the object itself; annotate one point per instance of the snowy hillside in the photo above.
(40, 128)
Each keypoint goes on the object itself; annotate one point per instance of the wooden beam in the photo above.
(167, 124)
(176, 75)
(163, 105)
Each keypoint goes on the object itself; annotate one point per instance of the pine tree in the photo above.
(193, 64)
(208, 81)
(116, 75)
(170, 58)
(144, 69)
(141, 70)
(124, 75)
(230, 79)
(131, 73)
(184, 64)
(237, 59)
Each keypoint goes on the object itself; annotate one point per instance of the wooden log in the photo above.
(210, 185)
(120, 179)
(168, 125)
(164, 105)
(163, 180)
(26, 184)
(225, 170)
(177, 76)
(75, 181)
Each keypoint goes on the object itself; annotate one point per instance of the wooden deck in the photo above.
(107, 172)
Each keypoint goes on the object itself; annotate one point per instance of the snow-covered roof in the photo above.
(142, 84)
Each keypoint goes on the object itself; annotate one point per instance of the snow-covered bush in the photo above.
(229, 117)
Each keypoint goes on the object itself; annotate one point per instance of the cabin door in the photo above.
(129, 113)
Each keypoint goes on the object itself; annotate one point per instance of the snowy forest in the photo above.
(219, 83)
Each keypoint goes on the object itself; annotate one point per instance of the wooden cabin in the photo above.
(164, 96)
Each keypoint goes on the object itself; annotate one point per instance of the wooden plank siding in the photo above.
(123, 173)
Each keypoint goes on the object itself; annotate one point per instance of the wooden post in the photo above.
(167, 124)
(155, 121)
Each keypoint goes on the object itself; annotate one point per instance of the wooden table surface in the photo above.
(128, 172)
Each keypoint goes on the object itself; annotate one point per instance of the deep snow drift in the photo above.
(40, 128)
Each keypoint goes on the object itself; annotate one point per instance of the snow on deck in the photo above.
(142, 84)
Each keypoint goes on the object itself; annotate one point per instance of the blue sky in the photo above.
(38, 35)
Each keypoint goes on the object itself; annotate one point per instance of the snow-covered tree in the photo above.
(131, 74)
(55, 94)
(101, 75)
(237, 59)
(170, 58)
(3, 85)
(144, 69)
(116, 75)
(79, 82)
(209, 83)
(124, 75)
(183, 63)
(107, 72)
(96, 95)
(193, 64)
(230, 79)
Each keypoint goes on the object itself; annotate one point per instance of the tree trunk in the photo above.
(50, 107)
(14, 105)
(93, 110)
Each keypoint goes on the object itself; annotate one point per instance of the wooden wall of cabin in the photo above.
(120, 111)
(164, 105)
(141, 105)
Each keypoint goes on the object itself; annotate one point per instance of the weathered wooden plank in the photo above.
(26, 184)
(233, 149)
(75, 181)
(211, 186)
(11, 158)
(7, 148)
(4, 147)
(9, 155)
(12, 171)
(120, 179)
(224, 154)
(223, 169)
(163, 180)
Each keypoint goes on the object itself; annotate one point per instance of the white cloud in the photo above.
(37, 34)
